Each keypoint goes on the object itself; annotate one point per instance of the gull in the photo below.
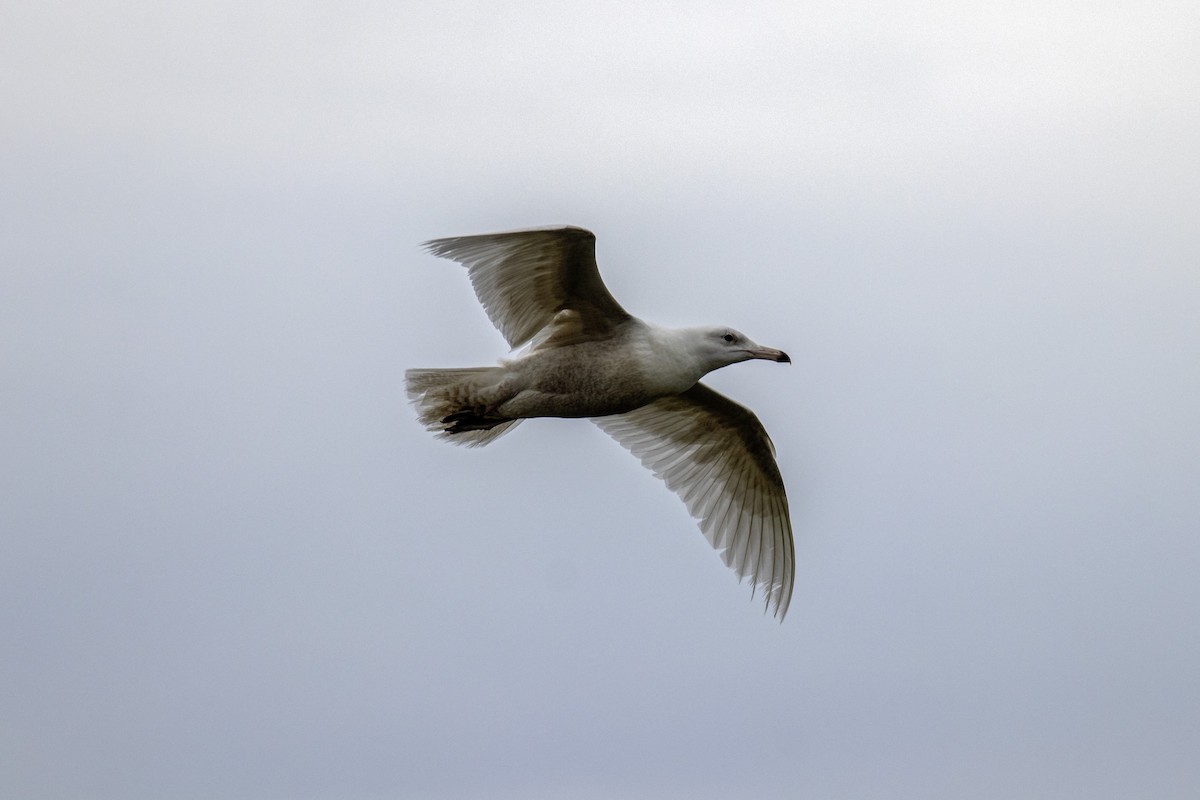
(587, 357)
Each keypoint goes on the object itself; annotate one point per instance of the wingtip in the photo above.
(783, 599)
(433, 246)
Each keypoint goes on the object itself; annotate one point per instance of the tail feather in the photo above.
(450, 403)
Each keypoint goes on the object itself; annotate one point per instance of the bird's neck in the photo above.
(669, 359)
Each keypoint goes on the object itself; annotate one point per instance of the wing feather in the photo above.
(716, 455)
(524, 278)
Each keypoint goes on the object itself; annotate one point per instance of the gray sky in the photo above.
(232, 565)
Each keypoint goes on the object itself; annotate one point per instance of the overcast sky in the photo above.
(232, 564)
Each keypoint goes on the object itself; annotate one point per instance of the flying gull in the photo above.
(588, 357)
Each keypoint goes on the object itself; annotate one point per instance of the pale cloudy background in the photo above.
(233, 566)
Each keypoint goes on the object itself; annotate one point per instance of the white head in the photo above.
(713, 348)
(725, 346)
(678, 357)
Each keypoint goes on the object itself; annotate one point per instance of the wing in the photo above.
(524, 278)
(716, 455)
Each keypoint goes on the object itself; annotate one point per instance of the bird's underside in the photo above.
(588, 357)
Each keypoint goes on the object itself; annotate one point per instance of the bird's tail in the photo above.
(450, 402)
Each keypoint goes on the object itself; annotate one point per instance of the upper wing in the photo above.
(715, 454)
(524, 278)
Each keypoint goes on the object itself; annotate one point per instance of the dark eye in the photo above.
(728, 337)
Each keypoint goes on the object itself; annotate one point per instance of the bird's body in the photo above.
(587, 357)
